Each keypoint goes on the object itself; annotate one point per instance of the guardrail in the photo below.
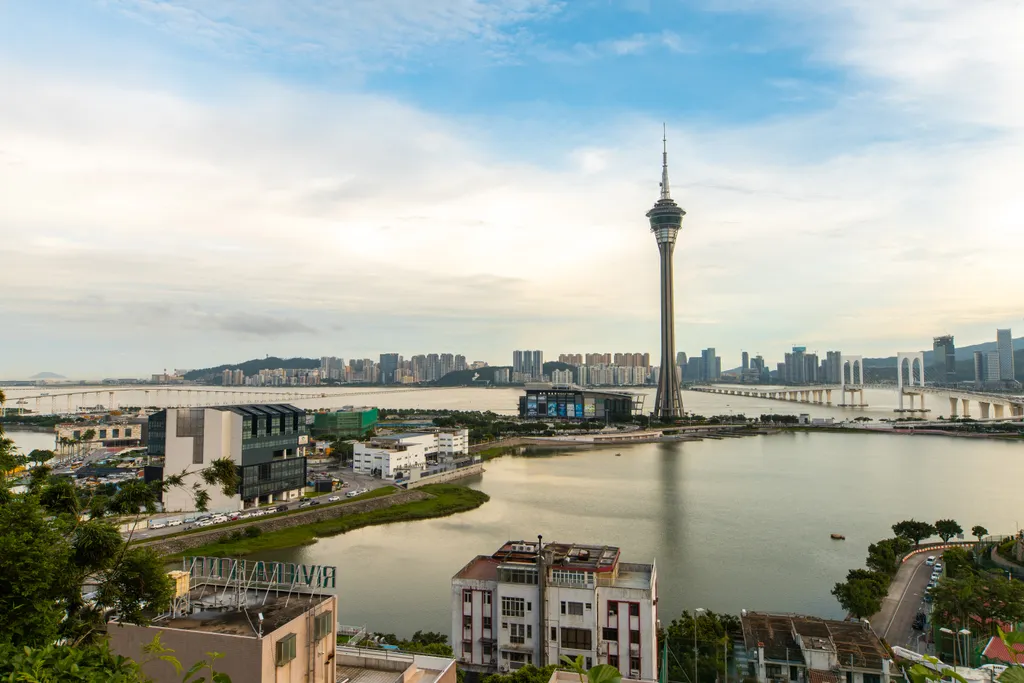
(925, 547)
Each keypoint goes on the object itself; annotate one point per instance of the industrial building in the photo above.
(532, 603)
(396, 456)
(349, 422)
(799, 649)
(266, 441)
(571, 402)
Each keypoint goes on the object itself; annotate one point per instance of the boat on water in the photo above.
(838, 537)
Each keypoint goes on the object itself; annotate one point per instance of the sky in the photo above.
(185, 183)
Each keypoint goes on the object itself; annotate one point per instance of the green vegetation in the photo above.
(864, 589)
(947, 529)
(961, 601)
(978, 532)
(914, 530)
(446, 500)
(713, 633)
(49, 631)
(526, 674)
(253, 367)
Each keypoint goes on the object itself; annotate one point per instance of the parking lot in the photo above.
(172, 523)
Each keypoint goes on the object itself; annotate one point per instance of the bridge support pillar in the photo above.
(952, 407)
(999, 409)
(966, 405)
(828, 396)
(984, 409)
(911, 401)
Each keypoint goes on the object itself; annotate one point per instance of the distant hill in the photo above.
(253, 367)
(47, 375)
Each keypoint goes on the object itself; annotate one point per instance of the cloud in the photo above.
(363, 32)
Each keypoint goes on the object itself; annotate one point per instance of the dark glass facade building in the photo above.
(574, 403)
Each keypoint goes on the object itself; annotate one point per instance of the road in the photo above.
(905, 599)
(352, 481)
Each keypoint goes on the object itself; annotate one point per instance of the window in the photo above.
(634, 637)
(849, 677)
(76, 434)
(467, 648)
(613, 609)
(467, 621)
(577, 638)
(127, 432)
(554, 634)
(590, 663)
(529, 607)
(517, 575)
(114, 433)
(634, 609)
(575, 609)
(571, 577)
(285, 650)
(487, 597)
(609, 634)
(467, 596)
(613, 660)
(487, 622)
(793, 673)
(488, 650)
(103, 433)
(634, 663)
(871, 678)
(323, 625)
(529, 631)
(588, 606)
(513, 607)
(517, 634)
(504, 624)
(775, 671)
(520, 657)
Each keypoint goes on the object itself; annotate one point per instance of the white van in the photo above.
(930, 561)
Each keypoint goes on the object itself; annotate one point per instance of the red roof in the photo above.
(818, 676)
(996, 650)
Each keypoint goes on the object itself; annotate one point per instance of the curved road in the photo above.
(905, 599)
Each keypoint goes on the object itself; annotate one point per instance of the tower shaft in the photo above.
(668, 402)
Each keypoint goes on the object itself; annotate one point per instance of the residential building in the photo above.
(267, 443)
(571, 358)
(979, 369)
(388, 365)
(745, 361)
(332, 368)
(532, 603)
(681, 359)
(501, 375)
(575, 403)
(833, 367)
(1004, 346)
(460, 363)
(598, 359)
(711, 365)
(562, 376)
(788, 648)
(269, 626)
(349, 422)
(993, 366)
(122, 432)
(943, 360)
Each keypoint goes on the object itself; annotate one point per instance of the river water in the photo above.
(732, 523)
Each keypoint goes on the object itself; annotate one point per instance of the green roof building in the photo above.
(347, 423)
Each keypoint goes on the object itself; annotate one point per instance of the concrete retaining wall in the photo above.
(451, 475)
(179, 544)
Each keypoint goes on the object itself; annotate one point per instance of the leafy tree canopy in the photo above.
(947, 529)
(979, 531)
(914, 530)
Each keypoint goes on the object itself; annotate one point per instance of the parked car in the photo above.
(157, 525)
(305, 504)
(190, 520)
(930, 561)
(174, 522)
(938, 566)
(352, 494)
(204, 522)
(333, 499)
(919, 621)
(314, 502)
(282, 508)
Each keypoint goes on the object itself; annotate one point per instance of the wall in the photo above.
(321, 669)
(181, 544)
(241, 659)
(450, 475)
(217, 443)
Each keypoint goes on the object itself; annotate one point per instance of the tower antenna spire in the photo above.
(664, 163)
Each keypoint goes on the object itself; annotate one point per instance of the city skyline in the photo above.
(183, 187)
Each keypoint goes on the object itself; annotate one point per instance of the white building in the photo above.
(267, 442)
(519, 607)
(388, 461)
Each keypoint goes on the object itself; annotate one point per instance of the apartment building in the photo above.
(531, 603)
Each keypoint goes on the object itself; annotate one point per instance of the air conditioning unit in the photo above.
(634, 673)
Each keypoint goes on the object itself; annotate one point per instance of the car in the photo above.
(190, 520)
(352, 494)
(314, 502)
(157, 525)
(174, 522)
(204, 522)
(938, 566)
(919, 622)
(282, 508)
(930, 561)
(936, 576)
(305, 504)
(333, 499)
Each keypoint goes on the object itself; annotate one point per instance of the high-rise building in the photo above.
(979, 369)
(745, 361)
(528, 364)
(711, 365)
(388, 365)
(501, 376)
(943, 360)
(537, 364)
(666, 218)
(447, 361)
(1004, 346)
(460, 362)
(833, 367)
(993, 366)
(532, 604)
(571, 358)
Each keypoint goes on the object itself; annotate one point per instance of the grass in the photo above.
(447, 499)
(374, 493)
(495, 452)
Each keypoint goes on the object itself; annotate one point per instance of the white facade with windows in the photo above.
(435, 443)
(388, 463)
(589, 603)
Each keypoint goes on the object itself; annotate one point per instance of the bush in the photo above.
(253, 531)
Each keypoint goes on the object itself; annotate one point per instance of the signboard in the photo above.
(579, 410)
(303, 439)
(589, 408)
(256, 574)
(570, 410)
(552, 409)
(561, 409)
(531, 406)
(309, 418)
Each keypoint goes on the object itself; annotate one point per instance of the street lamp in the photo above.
(697, 611)
(950, 632)
(967, 642)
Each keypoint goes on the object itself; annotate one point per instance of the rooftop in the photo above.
(600, 559)
(856, 646)
(480, 568)
(215, 614)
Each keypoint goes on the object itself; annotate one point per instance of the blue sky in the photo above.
(219, 179)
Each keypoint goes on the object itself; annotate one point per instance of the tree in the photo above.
(884, 556)
(958, 563)
(526, 674)
(602, 673)
(913, 530)
(947, 529)
(978, 532)
(40, 455)
(711, 629)
(859, 597)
